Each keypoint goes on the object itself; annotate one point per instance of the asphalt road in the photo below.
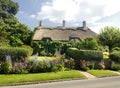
(109, 82)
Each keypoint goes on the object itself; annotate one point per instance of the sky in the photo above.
(96, 13)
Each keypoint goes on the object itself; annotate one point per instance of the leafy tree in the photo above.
(3, 34)
(7, 8)
(10, 28)
(110, 36)
(87, 44)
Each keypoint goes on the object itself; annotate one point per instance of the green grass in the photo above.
(102, 73)
(20, 78)
(41, 58)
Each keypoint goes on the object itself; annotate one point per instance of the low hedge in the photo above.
(85, 54)
(16, 53)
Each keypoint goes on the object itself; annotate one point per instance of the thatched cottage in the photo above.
(63, 33)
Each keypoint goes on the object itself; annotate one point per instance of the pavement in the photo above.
(88, 75)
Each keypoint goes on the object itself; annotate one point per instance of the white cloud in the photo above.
(79, 10)
(32, 16)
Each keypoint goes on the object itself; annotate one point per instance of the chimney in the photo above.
(40, 23)
(84, 25)
(63, 23)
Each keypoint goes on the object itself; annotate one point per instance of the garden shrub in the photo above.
(115, 56)
(83, 65)
(90, 66)
(7, 67)
(99, 65)
(115, 66)
(69, 63)
(19, 68)
(85, 54)
(16, 53)
(108, 63)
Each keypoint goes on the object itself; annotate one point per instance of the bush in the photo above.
(19, 68)
(69, 64)
(115, 56)
(16, 53)
(85, 54)
(7, 67)
(90, 66)
(84, 68)
(99, 65)
(115, 67)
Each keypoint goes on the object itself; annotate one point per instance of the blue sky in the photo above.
(97, 13)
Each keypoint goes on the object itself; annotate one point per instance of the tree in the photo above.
(7, 8)
(110, 36)
(10, 28)
(3, 34)
(87, 44)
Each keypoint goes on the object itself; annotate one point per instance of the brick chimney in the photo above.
(63, 23)
(84, 25)
(40, 23)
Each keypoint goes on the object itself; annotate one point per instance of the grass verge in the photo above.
(36, 77)
(102, 73)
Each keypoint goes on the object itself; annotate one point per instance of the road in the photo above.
(109, 82)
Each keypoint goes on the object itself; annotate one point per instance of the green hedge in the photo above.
(84, 54)
(16, 53)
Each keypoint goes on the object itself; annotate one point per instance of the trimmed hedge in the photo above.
(16, 53)
(85, 54)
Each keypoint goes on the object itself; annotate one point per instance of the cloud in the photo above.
(75, 11)
(32, 16)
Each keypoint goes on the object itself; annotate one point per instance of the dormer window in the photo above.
(74, 39)
(46, 39)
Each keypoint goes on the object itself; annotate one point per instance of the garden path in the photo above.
(88, 75)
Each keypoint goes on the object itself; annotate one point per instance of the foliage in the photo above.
(99, 65)
(7, 65)
(16, 53)
(116, 49)
(87, 44)
(35, 66)
(83, 65)
(19, 68)
(115, 56)
(115, 66)
(48, 48)
(90, 66)
(85, 54)
(110, 36)
(8, 7)
(12, 32)
(46, 66)
(69, 63)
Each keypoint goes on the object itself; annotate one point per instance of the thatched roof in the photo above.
(63, 33)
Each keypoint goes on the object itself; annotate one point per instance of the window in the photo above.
(74, 39)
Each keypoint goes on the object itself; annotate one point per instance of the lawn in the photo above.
(102, 73)
(41, 58)
(36, 77)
